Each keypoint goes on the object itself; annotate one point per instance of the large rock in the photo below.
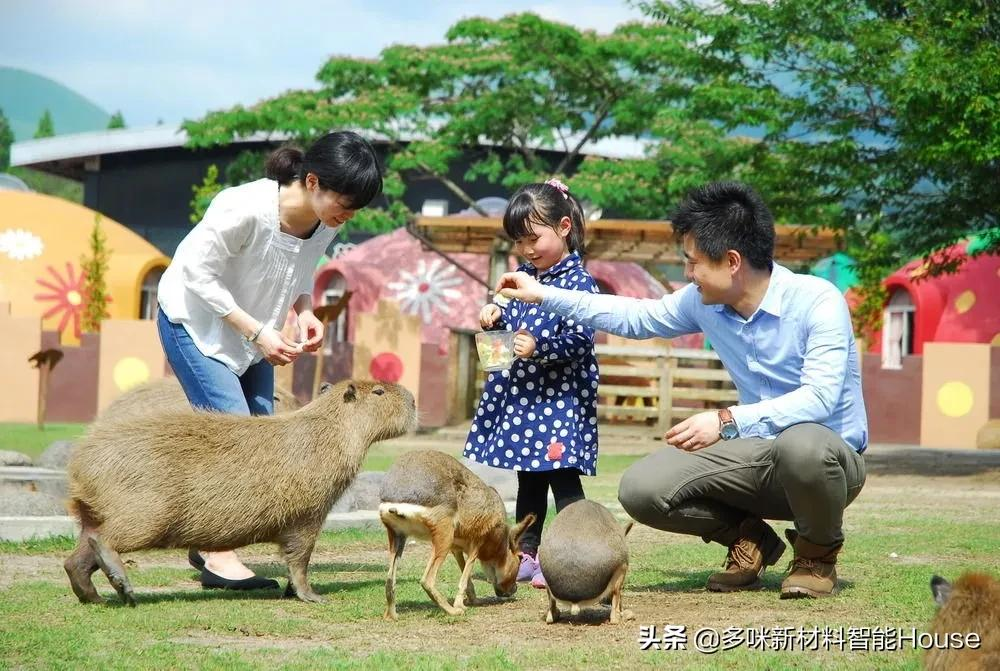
(363, 494)
(20, 501)
(988, 437)
(11, 458)
(503, 480)
(56, 456)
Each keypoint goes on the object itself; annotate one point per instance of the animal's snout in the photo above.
(502, 592)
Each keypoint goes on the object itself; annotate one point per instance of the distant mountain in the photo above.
(24, 97)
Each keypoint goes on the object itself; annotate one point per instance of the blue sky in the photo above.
(178, 59)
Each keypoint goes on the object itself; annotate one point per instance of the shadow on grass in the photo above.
(694, 581)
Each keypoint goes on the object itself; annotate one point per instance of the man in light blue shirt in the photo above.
(791, 449)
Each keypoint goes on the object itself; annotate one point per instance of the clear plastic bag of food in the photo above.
(496, 349)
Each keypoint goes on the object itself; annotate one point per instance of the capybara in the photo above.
(217, 482)
(165, 395)
(584, 559)
(430, 495)
(969, 606)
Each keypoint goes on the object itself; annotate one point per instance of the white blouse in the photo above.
(238, 256)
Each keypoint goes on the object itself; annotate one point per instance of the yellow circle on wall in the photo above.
(996, 340)
(965, 301)
(130, 372)
(955, 399)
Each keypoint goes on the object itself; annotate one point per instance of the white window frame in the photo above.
(898, 320)
(148, 293)
(336, 331)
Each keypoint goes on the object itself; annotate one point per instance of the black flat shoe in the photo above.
(211, 581)
(196, 560)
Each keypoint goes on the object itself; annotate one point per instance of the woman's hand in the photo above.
(489, 316)
(310, 331)
(524, 344)
(277, 349)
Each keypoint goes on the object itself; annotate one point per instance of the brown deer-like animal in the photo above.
(969, 606)
(430, 495)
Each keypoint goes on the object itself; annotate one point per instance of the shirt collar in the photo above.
(570, 261)
(771, 303)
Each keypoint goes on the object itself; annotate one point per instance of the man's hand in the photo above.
(695, 432)
(488, 316)
(524, 344)
(521, 286)
(277, 349)
(311, 331)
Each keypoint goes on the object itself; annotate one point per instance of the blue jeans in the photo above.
(209, 384)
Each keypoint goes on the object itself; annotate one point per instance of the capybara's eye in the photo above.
(378, 391)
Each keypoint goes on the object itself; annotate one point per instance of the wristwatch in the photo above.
(727, 425)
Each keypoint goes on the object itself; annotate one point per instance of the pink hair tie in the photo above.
(560, 186)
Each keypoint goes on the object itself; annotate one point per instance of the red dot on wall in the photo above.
(386, 367)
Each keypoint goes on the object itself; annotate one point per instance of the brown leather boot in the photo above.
(813, 571)
(757, 548)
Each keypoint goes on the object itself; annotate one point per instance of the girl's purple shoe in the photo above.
(538, 580)
(528, 568)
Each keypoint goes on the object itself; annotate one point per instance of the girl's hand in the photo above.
(524, 344)
(310, 331)
(488, 316)
(277, 349)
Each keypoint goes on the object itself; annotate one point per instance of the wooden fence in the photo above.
(658, 386)
(649, 387)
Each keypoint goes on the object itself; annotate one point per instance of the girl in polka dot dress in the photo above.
(540, 417)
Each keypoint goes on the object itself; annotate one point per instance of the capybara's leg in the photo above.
(553, 613)
(298, 549)
(617, 614)
(466, 593)
(80, 566)
(442, 535)
(396, 544)
(111, 564)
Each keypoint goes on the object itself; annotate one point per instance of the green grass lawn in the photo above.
(900, 531)
(30, 440)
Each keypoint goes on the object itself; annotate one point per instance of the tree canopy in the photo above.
(878, 118)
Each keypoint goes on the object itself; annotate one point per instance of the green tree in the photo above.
(95, 289)
(889, 110)
(6, 140)
(45, 126)
(503, 91)
(116, 121)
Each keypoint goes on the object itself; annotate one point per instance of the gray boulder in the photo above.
(20, 501)
(503, 480)
(56, 456)
(12, 458)
(363, 494)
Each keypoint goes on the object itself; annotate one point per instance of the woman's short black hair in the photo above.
(343, 161)
(728, 215)
(543, 204)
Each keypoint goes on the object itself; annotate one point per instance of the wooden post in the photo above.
(44, 361)
(499, 258)
(665, 416)
(326, 314)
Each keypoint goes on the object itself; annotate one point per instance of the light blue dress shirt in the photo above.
(793, 361)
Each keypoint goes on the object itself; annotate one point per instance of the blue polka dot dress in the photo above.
(542, 413)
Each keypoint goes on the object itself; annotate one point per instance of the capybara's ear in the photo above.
(941, 589)
(351, 394)
(325, 387)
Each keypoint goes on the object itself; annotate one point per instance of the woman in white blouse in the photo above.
(227, 292)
